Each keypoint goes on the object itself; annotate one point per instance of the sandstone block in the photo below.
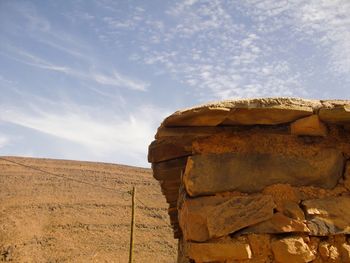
(210, 252)
(260, 245)
(345, 252)
(329, 253)
(328, 216)
(206, 116)
(163, 150)
(243, 112)
(197, 132)
(169, 170)
(293, 210)
(239, 212)
(291, 250)
(279, 223)
(311, 126)
(210, 217)
(193, 215)
(266, 116)
(339, 114)
(213, 173)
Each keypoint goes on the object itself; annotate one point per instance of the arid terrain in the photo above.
(80, 212)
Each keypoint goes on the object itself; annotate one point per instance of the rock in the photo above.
(328, 216)
(279, 223)
(163, 150)
(293, 210)
(205, 116)
(212, 173)
(260, 245)
(345, 252)
(193, 131)
(215, 216)
(193, 215)
(169, 170)
(310, 125)
(210, 252)
(237, 213)
(266, 116)
(291, 250)
(243, 112)
(338, 114)
(328, 252)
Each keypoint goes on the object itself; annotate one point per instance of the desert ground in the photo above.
(74, 211)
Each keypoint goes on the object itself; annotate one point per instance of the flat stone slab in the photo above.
(338, 114)
(279, 223)
(251, 172)
(267, 111)
(311, 126)
(210, 252)
(210, 217)
(328, 216)
(238, 213)
(164, 150)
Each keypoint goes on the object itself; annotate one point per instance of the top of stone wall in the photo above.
(273, 131)
(265, 111)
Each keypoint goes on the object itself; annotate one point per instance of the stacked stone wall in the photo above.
(262, 180)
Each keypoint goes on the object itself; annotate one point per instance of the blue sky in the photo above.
(92, 80)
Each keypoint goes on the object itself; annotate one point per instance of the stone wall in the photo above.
(261, 180)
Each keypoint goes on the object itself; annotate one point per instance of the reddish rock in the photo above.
(163, 150)
(239, 212)
(279, 223)
(211, 217)
(212, 173)
(291, 250)
(329, 253)
(345, 252)
(210, 252)
(338, 114)
(328, 216)
(310, 125)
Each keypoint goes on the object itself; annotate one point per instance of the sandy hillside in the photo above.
(49, 218)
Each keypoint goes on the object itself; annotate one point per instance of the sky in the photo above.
(93, 79)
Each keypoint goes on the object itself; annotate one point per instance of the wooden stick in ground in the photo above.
(132, 225)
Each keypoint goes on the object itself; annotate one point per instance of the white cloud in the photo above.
(116, 79)
(224, 49)
(324, 23)
(113, 79)
(210, 48)
(124, 137)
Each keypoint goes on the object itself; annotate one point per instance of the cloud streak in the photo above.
(115, 79)
(126, 138)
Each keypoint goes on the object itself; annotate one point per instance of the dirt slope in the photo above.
(48, 218)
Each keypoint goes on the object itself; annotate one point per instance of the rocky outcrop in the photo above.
(259, 180)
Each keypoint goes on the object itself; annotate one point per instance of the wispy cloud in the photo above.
(116, 79)
(324, 23)
(123, 137)
(254, 48)
(210, 49)
(113, 79)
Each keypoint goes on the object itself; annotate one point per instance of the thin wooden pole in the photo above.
(131, 249)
